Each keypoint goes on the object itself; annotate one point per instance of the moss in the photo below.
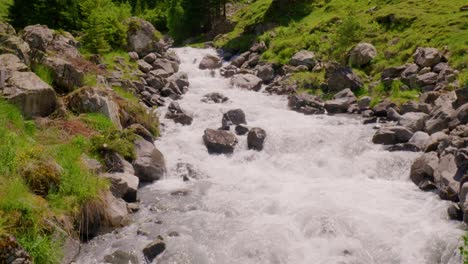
(115, 141)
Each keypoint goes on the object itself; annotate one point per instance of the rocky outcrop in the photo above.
(94, 100)
(256, 138)
(149, 164)
(306, 104)
(362, 54)
(66, 75)
(210, 62)
(11, 43)
(175, 112)
(247, 81)
(219, 141)
(141, 37)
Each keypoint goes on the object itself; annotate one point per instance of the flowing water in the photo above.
(319, 193)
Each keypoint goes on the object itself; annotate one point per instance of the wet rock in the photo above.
(141, 37)
(229, 71)
(179, 116)
(341, 102)
(427, 57)
(404, 147)
(168, 67)
(423, 168)
(303, 57)
(266, 72)
(256, 138)
(155, 248)
(392, 135)
(173, 234)
(121, 257)
(341, 77)
(210, 62)
(187, 171)
(413, 121)
(362, 54)
(306, 104)
(241, 130)
(247, 81)
(444, 178)
(30, 94)
(123, 185)
(216, 98)
(381, 109)
(419, 139)
(233, 117)
(219, 141)
(180, 79)
(149, 164)
(454, 212)
(180, 193)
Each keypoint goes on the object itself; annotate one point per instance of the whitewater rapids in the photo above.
(319, 193)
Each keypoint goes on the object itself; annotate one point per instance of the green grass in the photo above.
(128, 68)
(331, 28)
(98, 122)
(45, 73)
(125, 94)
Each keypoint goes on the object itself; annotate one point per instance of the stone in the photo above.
(381, 109)
(303, 57)
(429, 97)
(341, 77)
(258, 47)
(121, 257)
(341, 102)
(30, 94)
(362, 54)
(241, 130)
(392, 135)
(412, 106)
(142, 132)
(11, 43)
(229, 71)
(454, 212)
(150, 58)
(216, 98)
(413, 121)
(392, 72)
(67, 77)
(175, 112)
(233, 117)
(11, 63)
(238, 61)
(94, 100)
(419, 139)
(133, 56)
(219, 141)
(168, 67)
(149, 164)
(306, 104)
(462, 114)
(247, 81)
(180, 79)
(142, 37)
(425, 80)
(364, 102)
(423, 168)
(266, 73)
(403, 147)
(444, 178)
(114, 162)
(427, 57)
(123, 185)
(461, 158)
(116, 211)
(439, 119)
(11, 251)
(210, 62)
(462, 97)
(144, 66)
(38, 36)
(153, 249)
(256, 138)
(434, 141)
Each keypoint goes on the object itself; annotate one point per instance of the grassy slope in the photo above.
(332, 27)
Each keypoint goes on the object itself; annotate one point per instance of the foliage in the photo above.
(115, 141)
(464, 249)
(4, 6)
(44, 72)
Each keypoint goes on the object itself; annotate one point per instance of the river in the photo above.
(319, 193)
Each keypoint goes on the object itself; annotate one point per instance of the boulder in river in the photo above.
(210, 62)
(392, 135)
(123, 185)
(256, 138)
(149, 164)
(153, 249)
(121, 257)
(233, 117)
(216, 98)
(176, 113)
(219, 141)
(247, 81)
(306, 104)
(341, 102)
(422, 170)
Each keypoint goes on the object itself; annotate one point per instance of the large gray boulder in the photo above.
(427, 57)
(10, 63)
(304, 57)
(94, 100)
(444, 178)
(11, 43)
(413, 121)
(33, 96)
(392, 135)
(219, 141)
(38, 37)
(247, 81)
(149, 164)
(362, 54)
(306, 104)
(233, 117)
(341, 102)
(210, 62)
(422, 170)
(168, 66)
(66, 75)
(256, 138)
(266, 72)
(142, 37)
(341, 77)
(440, 118)
(123, 185)
(420, 139)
